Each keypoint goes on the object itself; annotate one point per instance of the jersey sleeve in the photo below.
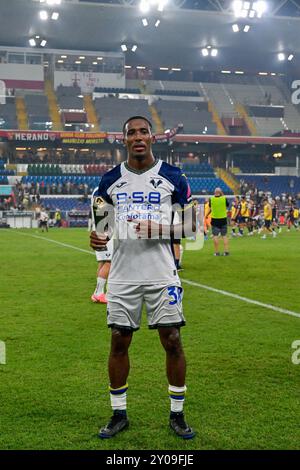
(182, 192)
(102, 192)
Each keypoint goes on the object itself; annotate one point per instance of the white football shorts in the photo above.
(163, 305)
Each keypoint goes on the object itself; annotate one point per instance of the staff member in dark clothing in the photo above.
(218, 208)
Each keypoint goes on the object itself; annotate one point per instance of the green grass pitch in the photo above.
(243, 389)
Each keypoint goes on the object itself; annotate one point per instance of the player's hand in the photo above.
(98, 241)
(146, 229)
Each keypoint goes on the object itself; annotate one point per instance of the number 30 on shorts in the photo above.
(175, 292)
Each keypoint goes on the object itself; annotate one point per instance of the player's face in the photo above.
(138, 138)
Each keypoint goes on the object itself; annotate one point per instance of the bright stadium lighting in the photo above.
(134, 48)
(161, 5)
(95, 63)
(246, 28)
(175, 69)
(43, 15)
(262, 73)
(157, 23)
(32, 42)
(281, 56)
(290, 57)
(144, 6)
(55, 16)
(145, 22)
(260, 7)
(205, 52)
(214, 52)
(246, 5)
(239, 72)
(163, 68)
(82, 57)
(235, 28)
(124, 47)
(225, 71)
(43, 43)
(251, 14)
(140, 67)
(99, 58)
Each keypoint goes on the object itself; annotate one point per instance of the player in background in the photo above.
(243, 215)
(268, 220)
(104, 260)
(143, 191)
(44, 220)
(235, 209)
(275, 215)
(296, 217)
(293, 217)
(207, 219)
(218, 206)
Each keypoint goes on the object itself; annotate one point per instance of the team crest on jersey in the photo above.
(155, 183)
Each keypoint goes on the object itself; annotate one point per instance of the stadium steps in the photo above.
(241, 110)
(22, 116)
(156, 119)
(216, 118)
(232, 182)
(91, 112)
(53, 107)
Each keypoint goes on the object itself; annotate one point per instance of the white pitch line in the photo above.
(66, 245)
(244, 299)
(186, 281)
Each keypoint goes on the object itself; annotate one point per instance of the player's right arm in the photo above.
(102, 218)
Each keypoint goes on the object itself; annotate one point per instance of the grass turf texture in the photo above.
(243, 389)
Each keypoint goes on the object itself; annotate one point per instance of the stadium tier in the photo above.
(208, 185)
(276, 185)
(66, 204)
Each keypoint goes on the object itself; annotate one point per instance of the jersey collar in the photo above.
(140, 172)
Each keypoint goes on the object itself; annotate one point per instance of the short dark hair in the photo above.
(135, 117)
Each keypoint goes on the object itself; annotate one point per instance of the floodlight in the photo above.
(290, 57)
(204, 52)
(43, 15)
(144, 6)
(43, 43)
(134, 48)
(32, 42)
(246, 28)
(235, 28)
(157, 23)
(281, 56)
(214, 52)
(124, 47)
(145, 22)
(55, 16)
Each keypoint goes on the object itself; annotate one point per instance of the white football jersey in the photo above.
(145, 195)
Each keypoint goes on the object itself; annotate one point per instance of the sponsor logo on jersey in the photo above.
(120, 185)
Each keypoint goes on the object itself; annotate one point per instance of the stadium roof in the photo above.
(183, 31)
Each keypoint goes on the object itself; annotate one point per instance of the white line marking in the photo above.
(239, 297)
(57, 243)
(186, 281)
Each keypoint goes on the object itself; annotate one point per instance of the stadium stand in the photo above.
(192, 115)
(276, 185)
(113, 112)
(8, 115)
(37, 111)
